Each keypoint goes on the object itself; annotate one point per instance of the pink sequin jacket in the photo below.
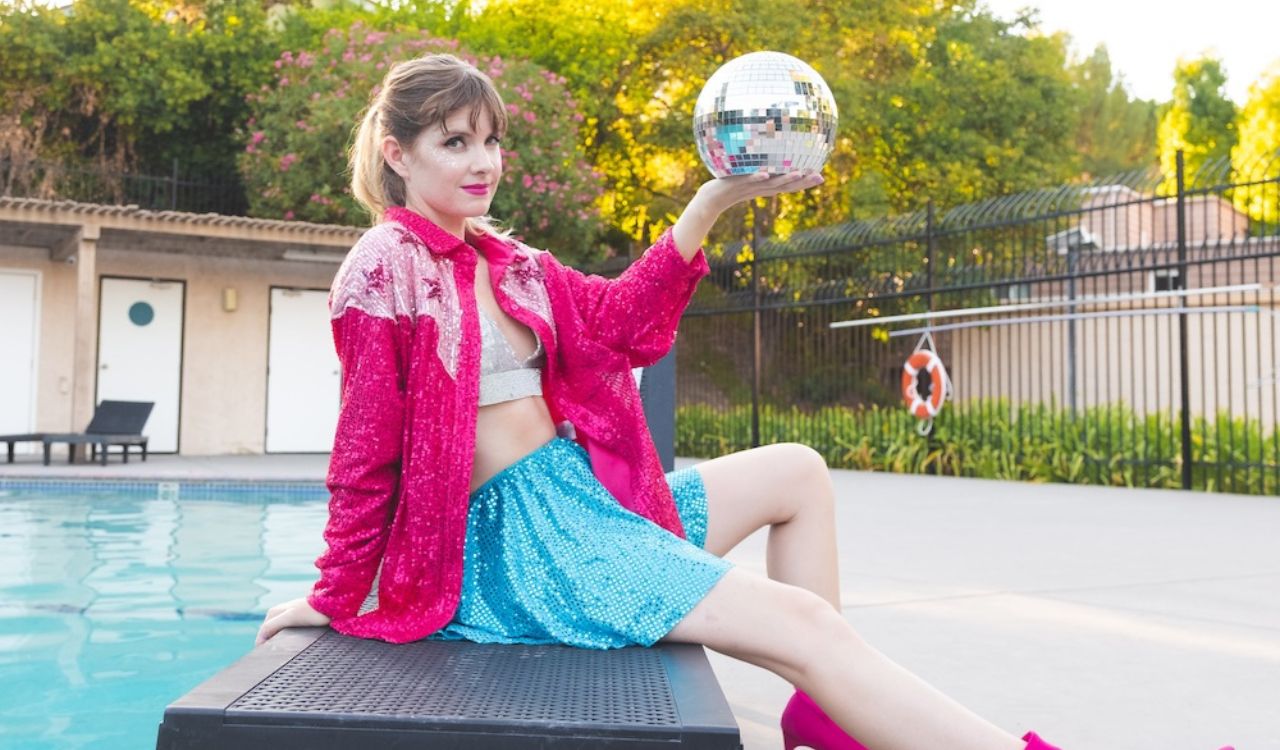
(407, 332)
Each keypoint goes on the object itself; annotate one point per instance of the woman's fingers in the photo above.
(295, 613)
(265, 632)
(275, 624)
(788, 182)
(727, 191)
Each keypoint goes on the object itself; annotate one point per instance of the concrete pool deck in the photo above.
(1099, 617)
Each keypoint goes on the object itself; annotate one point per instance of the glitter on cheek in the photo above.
(450, 159)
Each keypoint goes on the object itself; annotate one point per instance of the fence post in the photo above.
(929, 253)
(1073, 266)
(173, 187)
(1182, 326)
(755, 319)
(930, 440)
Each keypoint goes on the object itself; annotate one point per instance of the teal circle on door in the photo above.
(141, 313)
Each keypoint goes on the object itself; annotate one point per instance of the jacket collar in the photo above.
(436, 239)
(440, 242)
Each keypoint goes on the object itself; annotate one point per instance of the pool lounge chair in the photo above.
(319, 689)
(114, 423)
(32, 437)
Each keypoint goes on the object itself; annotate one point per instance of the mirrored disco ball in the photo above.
(764, 110)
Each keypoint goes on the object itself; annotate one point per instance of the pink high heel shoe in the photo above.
(805, 724)
(1035, 743)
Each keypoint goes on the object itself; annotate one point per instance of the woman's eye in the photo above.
(495, 139)
(454, 141)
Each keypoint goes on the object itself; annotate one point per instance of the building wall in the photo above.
(224, 368)
(1122, 219)
(1117, 217)
(1233, 362)
(1209, 217)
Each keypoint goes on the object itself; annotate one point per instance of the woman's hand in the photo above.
(726, 192)
(295, 613)
(717, 196)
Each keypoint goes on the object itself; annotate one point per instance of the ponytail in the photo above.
(373, 182)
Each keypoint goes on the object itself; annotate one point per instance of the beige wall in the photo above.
(224, 368)
(1209, 217)
(1232, 363)
(1117, 217)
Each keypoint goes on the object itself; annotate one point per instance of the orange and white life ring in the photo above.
(924, 408)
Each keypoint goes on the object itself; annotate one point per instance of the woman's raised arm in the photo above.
(715, 197)
(637, 313)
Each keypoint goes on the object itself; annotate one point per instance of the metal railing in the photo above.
(89, 184)
(1120, 386)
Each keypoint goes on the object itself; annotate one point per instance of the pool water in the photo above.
(114, 604)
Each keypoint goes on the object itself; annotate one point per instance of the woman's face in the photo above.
(450, 174)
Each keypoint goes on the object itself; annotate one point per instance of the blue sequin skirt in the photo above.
(552, 557)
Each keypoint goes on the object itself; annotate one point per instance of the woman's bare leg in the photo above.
(787, 487)
(797, 635)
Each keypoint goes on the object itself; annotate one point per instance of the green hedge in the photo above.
(992, 439)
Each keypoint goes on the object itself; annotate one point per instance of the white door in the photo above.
(140, 352)
(303, 374)
(18, 339)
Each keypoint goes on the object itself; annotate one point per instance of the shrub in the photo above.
(992, 439)
(294, 160)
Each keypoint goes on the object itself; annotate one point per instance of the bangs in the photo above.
(471, 92)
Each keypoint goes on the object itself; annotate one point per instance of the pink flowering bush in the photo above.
(295, 142)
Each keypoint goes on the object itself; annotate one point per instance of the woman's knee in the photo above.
(781, 627)
(819, 626)
(808, 469)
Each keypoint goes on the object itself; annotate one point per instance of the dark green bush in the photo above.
(993, 439)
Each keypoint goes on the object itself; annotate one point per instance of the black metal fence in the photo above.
(1134, 340)
(177, 191)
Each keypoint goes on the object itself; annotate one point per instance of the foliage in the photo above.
(938, 101)
(1199, 121)
(1115, 133)
(305, 25)
(1256, 157)
(95, 83)
(993, 439)
(294, 167)
(905, 74)
(986, 111)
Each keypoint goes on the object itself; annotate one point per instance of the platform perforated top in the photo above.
(344, 677)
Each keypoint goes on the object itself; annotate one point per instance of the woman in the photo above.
(491, 474)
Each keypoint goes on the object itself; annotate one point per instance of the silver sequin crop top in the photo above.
(503, 375)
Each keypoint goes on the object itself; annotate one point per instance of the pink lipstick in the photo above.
(476, 189)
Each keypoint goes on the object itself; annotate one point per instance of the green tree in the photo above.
(304, 24)
(1199, 121)
(1256, 157)
(128, 84)
(942, 102)
(1116, 133)
(986, 111)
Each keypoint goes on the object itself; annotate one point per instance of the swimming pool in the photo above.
(114, 603)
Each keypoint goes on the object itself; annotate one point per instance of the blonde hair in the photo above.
(415, 95)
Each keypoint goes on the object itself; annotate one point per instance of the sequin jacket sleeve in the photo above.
(364, 469)
(637, 313)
